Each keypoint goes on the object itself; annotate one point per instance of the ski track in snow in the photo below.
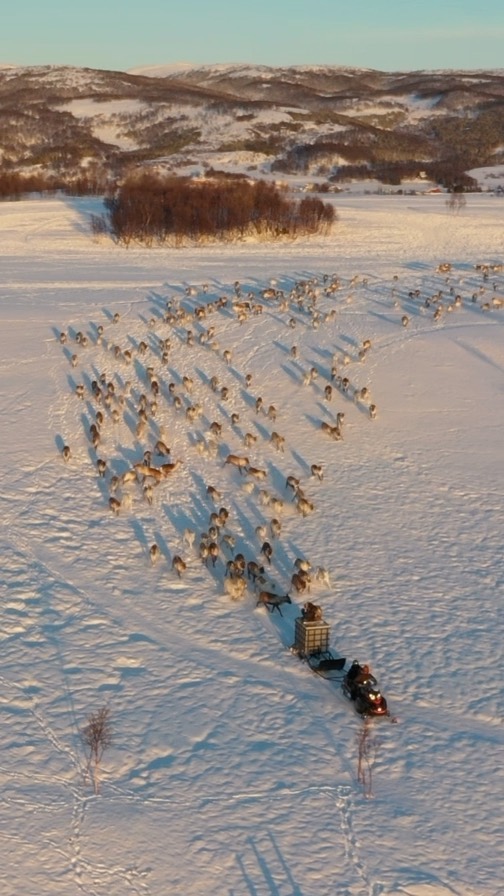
(217, 723)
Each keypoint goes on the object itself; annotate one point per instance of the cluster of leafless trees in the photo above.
(174, 210)
(389, 156)
(446, 173)
(15, 185)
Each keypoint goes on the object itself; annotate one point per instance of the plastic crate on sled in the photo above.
(311, 637)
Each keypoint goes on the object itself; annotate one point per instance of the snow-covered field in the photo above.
(233, 770)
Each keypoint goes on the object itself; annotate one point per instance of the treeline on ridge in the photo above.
(151, 209)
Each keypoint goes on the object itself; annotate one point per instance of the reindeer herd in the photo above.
(166, 411)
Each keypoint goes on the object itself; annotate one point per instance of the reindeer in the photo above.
(66, 453)
(229, 541)
(213, 494)
(167, 469)
(213, 552)
(254, 570)
(235, 587)
(232, 571)
(278, 441)
(148, 493)
(277, 505)
(267, 551)
(322, 575)
(114, 483)
(304, 506)
(161, 448)
(240, 564)
(140, 429)
(101, 466)
(154, 553)
(316, 470)
(260, 475)
(272, 601)
(189, 537)
(203, 551)
(94, 435)
(301, 564)
(261, 532)
(115, 505)
(301, 582)
(148, 472)
(249, 439)
(178, 565)
(276, 528)
(333, 431)
(241, 463)
(293, 483)
(129, 476)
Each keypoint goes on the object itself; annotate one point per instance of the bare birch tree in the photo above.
(96, 737)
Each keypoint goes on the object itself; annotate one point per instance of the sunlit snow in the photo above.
(233, 768)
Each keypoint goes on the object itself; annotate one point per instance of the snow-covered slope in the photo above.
(76, 122)
(232, 768)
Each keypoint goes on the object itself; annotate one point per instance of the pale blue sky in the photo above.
(384, 34)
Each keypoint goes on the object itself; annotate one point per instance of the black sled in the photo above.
(326, 665)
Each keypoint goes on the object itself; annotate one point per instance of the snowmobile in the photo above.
(312, 645)
(364, 693)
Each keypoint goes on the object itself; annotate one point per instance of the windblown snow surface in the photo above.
(233, 769)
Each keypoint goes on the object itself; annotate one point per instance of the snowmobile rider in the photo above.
(358, 675)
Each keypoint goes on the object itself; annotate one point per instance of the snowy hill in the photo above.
(329, 121)
(232, 768)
